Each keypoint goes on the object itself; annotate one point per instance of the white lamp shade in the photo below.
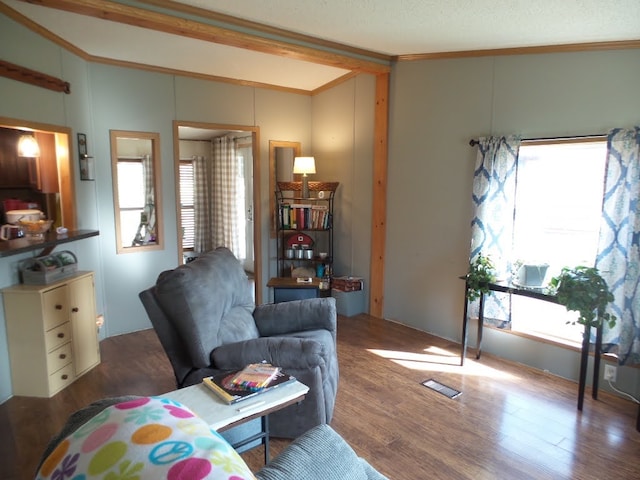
(28, 147)
(304, 165)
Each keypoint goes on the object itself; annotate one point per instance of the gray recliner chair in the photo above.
(207, 322)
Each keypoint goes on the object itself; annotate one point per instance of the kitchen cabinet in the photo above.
(52, 334)
(43, 170)
(14, 171)
(38, 173)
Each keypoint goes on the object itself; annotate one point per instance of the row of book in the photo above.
(297, 216)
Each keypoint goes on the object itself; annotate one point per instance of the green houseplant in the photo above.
(582, 289)
(481, 272)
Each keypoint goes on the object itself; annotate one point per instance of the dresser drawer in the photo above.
(58, 358)
(57, 336)
(60, 379)
(55, 307)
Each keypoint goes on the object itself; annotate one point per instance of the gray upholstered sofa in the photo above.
(207, 322)
(151, 438)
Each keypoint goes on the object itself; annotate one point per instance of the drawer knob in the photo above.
(61, 335)
(58, 307)
(75, 309)
(65, 376)
(63, 356)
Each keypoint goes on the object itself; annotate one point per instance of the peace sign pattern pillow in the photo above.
(145, 438)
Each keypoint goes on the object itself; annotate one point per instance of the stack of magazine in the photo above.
(254, 379)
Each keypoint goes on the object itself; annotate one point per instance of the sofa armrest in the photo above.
(286, 352)
(296, 316)
(319, 454)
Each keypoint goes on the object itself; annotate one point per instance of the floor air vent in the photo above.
(440, 388)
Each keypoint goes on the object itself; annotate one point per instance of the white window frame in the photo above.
(533, 317)
(187, 209)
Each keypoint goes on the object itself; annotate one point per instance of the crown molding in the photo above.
(564, 48)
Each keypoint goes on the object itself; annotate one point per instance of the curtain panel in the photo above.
(203, 239)
(225, 174)
(149, 199)
(618, 258)
(494, 190)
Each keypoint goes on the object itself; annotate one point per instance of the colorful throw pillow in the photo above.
(146, 438)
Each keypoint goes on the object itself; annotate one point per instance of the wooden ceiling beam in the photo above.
(161, 22)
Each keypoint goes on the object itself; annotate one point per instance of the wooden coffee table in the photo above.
(220, 416)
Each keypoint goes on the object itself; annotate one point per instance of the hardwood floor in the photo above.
(511, 422)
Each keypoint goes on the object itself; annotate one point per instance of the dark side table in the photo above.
(507, 287)
(286, 289)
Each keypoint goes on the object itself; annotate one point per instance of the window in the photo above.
(130, 197)
(187, 213)
(557, 219)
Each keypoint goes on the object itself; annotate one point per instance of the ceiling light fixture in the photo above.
(28, 146)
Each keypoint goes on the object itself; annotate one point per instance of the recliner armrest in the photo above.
(297, 316)
(319, 454)
(286, 352)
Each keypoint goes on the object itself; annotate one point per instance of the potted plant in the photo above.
(481, 272)
(582, 289)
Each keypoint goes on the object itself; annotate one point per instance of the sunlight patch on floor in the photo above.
(439, 360)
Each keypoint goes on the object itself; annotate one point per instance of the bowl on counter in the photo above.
(35, 229)
(15, 216)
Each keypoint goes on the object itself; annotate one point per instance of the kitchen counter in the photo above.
(50, 241)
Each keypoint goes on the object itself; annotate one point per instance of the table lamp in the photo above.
(305, 166)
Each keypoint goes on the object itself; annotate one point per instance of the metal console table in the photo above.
(511, 289)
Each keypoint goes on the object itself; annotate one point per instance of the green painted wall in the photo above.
(436, 107)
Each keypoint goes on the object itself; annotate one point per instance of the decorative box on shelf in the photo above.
(49, 268)
(346, 284)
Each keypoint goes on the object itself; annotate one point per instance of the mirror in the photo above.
(281, 155)
(135, 161)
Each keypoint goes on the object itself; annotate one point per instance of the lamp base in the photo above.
(305, 186)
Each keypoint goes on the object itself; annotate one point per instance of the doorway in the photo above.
(216, 194)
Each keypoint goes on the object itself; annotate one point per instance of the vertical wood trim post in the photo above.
(379, 213)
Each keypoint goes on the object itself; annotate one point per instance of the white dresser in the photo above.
(52, 334)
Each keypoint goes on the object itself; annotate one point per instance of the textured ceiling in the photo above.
(390, 27)
(398, 27)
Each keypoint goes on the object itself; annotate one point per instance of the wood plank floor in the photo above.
(511, 422)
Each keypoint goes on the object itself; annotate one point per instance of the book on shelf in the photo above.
(304, 216)
(221, 385)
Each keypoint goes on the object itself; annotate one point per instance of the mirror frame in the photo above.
(155, 154)
(273, 144)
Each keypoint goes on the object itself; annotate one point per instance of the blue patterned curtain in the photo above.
(618, 257)
(494, 191)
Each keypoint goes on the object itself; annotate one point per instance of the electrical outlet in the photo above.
(610, 373)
